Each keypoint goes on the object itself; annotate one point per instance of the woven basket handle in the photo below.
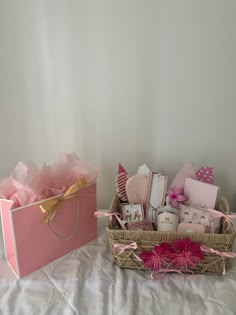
(114, 204)
(223, 205)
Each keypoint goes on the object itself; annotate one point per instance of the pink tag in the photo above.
(206, 174)
(121, 179)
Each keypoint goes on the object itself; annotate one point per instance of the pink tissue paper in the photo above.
(186, 171)
(27, 183)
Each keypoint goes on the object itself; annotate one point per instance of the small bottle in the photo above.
(167, 218)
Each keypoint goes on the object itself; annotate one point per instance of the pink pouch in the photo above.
(30, 244)
(190, 214)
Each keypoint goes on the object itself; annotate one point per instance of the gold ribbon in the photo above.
(50, 206)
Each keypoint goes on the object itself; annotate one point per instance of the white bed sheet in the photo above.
(87, 282)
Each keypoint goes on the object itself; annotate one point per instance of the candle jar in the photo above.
(167, 219)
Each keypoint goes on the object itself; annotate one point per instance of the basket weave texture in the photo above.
(146, 240)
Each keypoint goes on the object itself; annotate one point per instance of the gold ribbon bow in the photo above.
(50, 206)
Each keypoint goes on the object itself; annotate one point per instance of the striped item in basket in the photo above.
(121, 179)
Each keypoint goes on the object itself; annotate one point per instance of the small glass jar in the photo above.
(167, 219)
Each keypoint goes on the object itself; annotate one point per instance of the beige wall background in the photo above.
(130, 80)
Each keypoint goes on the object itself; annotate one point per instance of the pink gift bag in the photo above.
(30, 244)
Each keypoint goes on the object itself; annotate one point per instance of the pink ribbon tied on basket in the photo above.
(100, 214)
(210, 250)
(228, 217)
(120, 248)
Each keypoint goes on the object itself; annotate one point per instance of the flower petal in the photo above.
(146, 256)
(173, 203)
(181, 198)
(181, 245)
(178, 191)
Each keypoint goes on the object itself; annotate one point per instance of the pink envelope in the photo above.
(29, 244)
(200, 194)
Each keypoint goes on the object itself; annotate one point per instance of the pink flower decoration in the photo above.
(187, 254)
(175, 195)
(159, 258)
(181, 255)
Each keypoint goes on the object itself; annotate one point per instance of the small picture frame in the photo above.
(132, 212)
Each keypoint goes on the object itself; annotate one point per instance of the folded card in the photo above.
(200, 194)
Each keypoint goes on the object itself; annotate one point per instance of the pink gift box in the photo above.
(30, 244)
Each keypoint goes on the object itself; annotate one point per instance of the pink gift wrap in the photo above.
(30, 245)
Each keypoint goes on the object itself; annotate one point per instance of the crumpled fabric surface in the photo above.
(86, 282)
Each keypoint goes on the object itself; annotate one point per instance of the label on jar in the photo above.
(167, 222)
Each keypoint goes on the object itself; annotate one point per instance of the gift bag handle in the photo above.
(67, 238)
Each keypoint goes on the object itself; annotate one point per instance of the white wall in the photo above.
(131, 80)
(197, 88)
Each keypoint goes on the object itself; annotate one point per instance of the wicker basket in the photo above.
(146, 240)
